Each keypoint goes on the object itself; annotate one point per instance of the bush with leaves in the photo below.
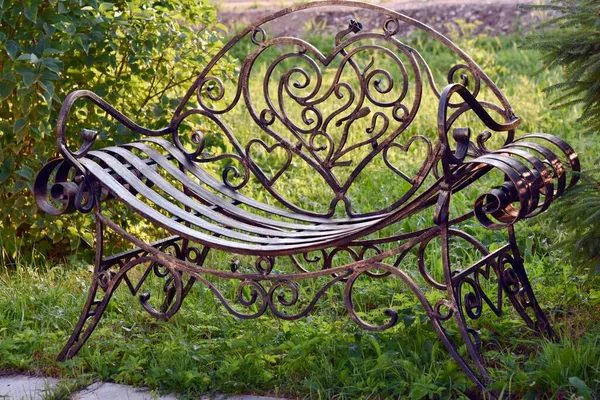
(139, 55)
(571, 40)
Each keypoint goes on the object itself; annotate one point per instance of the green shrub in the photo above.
(573, 43)
(139, 55)
(580, 212)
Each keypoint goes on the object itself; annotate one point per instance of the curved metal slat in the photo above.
(275, 247)
(164, 204)
(213, 183)
(231, 208)
(202, 210)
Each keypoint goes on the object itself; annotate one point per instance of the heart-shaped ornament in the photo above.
(271, 156)
(405, 148)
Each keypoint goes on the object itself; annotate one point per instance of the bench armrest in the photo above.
(535, 173)
(54, 181)
(89, 136)
(462, 135)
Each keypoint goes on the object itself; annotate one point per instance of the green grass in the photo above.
(205, 350)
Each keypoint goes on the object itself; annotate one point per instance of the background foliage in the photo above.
(138, 55)
(574, 44)
(571, 40)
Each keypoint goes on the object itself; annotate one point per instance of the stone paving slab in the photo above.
(25, 387)
(21, 387)
(114, 391)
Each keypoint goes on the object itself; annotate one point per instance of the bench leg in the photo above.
(109, 273)
(520, 293)
(108, 281)
(479, 374)
(93, 308)
(92, 312)
(511, 279)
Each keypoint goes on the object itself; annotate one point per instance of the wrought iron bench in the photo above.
(343, 119)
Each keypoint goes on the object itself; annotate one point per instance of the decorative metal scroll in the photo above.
(119, 268)
(60, 189)
(377, 106)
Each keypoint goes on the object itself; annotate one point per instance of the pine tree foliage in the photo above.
(571, 40)
(580, 211)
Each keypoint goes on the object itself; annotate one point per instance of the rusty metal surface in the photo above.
(169, 184)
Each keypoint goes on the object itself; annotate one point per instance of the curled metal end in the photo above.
(89, 137)
(463, 139)
(355, 26)
(56, 193)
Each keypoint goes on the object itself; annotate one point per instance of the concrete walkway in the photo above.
(21, 387)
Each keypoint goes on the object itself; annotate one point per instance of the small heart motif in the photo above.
(405, 148)
(269, 149)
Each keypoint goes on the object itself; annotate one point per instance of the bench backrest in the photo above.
(340, 114)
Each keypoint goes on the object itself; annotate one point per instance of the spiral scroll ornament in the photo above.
(59, 188)
(321, 137)
(535, 176)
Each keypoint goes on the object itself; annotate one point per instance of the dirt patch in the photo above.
(492, 17)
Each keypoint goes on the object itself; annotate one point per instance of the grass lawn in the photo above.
(203, 349)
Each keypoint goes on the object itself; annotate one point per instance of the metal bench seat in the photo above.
(199, 214)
